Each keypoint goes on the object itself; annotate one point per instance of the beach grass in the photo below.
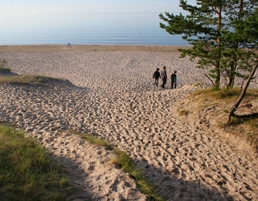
(123, 161)
(30, 80)
(27, 171)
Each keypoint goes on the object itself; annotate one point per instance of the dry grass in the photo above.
(3, 67)
(215, 105)
(31, 80)
(183, 112)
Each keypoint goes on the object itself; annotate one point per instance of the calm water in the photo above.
(89, 28)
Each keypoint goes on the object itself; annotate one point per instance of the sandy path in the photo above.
(115, 99)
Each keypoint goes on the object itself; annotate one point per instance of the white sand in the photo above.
(115, 99)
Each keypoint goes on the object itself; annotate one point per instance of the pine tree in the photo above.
(222, 35)
(202, 30)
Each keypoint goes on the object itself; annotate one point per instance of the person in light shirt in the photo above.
(163, 75)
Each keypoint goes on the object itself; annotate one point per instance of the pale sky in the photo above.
(22, 8)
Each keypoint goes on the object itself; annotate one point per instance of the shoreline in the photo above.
(113, 48)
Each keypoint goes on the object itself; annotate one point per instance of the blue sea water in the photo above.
(87, 28)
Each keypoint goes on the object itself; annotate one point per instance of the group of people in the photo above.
(163, 75)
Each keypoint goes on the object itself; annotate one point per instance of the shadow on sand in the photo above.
(171, 189)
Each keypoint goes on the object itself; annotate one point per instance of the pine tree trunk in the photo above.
(218, 67)
(242, 95)
(217, 79)
(231, 81)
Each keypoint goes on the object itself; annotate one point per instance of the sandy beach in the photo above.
(112, 96)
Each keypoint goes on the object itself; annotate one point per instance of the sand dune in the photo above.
(114, 97)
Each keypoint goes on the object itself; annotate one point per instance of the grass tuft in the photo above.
(124, 162)
(27, 172)
(3, 66)
(183, 112)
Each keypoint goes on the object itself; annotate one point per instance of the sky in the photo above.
(24, 8)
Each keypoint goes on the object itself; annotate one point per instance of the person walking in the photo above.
(156, 77)
(173, 80)
(163, 77)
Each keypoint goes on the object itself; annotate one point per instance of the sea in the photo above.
(139, 28)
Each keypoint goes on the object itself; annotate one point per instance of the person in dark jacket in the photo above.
(156, 77)
(173, 80)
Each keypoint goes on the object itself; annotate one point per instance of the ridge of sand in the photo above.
(116, 99)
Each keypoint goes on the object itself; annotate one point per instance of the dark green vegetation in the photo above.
(27, 172)
(124, 162)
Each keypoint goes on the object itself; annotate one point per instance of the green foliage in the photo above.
(215, 88)
(27, 172)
